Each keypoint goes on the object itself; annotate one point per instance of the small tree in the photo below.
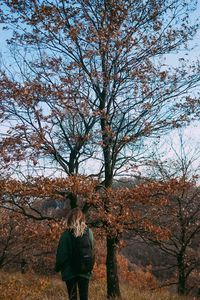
(178, 183)
(21, 240)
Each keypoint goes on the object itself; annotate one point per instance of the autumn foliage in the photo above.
(162, 213)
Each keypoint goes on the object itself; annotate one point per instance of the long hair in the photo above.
(76, 222)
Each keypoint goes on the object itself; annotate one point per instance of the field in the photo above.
(33, 287)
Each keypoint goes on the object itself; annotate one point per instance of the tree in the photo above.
(178, 181)
(106, 55)
(21, 240)
(181, 216)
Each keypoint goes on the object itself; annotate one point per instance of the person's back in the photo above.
(75, 258)
(82, 259)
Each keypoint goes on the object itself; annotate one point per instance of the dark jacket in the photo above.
(63, 256)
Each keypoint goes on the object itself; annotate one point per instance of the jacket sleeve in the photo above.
(62, 254)
(91, 236)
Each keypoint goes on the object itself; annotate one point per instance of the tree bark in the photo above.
(181, 275)
(113, 289)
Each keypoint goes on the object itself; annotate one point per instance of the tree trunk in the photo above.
(181, 275)
(113, 289)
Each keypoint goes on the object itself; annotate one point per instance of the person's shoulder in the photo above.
(65, 234)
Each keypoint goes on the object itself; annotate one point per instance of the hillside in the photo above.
(31, 287)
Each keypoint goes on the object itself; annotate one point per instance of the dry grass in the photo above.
(32, 287)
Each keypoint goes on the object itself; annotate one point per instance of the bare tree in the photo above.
(178, 179)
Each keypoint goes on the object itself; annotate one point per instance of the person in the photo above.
(76, 226)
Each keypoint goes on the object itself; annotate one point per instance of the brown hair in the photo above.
(76, 222)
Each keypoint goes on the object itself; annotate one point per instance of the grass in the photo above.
(15, 286)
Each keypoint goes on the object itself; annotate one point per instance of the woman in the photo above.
(75, 241)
